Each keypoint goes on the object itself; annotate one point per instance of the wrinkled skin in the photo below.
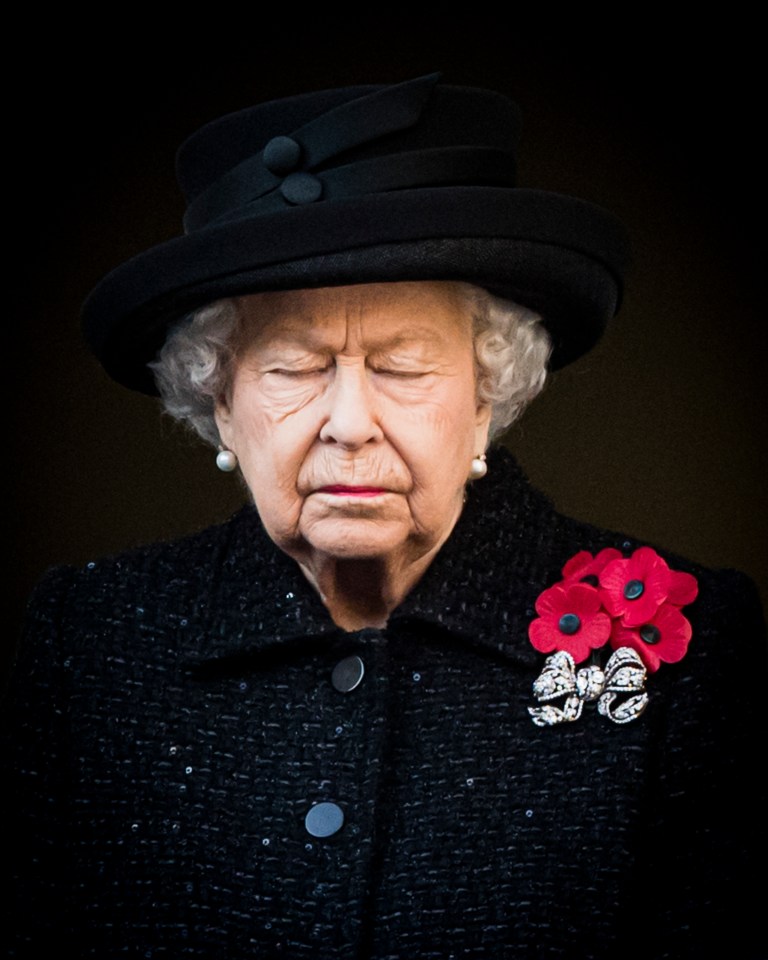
(353, 414)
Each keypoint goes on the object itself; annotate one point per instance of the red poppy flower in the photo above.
(663, 638)
(634, 589)
(584, 565)
(570, 618)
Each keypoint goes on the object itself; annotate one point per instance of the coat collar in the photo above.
(480, 589)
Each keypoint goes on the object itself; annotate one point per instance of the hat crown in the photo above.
(364, 184)
(226, 163)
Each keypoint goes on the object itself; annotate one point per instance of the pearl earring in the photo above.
(226, 461)
(478, 468)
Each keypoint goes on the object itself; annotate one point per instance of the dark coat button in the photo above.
(301, 188)
(324, 819)
(347, 674)
(281, 155)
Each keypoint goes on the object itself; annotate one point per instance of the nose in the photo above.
(352, 416)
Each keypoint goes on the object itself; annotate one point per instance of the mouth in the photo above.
(340, 490)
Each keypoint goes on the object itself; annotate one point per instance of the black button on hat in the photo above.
(347, 674)
(301, 188)
(282, 155)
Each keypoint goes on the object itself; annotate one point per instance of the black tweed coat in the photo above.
(174, 720)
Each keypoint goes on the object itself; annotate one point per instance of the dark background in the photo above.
(659, 432)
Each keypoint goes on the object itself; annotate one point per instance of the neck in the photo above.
(363, 593)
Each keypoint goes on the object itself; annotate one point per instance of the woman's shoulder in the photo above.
(142, 595)
(721, 606)
(158, 566)
(718, 594)
(516, 525)
(207, 594)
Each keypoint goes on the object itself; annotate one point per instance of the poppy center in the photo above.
(634, 589)
(649, 633)
(569, 623)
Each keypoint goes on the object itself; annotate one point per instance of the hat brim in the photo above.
(563, 257)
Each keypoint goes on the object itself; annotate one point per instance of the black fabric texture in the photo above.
(172, 721)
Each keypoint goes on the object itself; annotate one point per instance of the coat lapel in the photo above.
(478, 592)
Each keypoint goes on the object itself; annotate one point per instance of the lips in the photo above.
(339, 490)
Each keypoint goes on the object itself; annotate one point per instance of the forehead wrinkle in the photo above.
(324, 318)
(325, 335)
(409, 335)
(293, 330)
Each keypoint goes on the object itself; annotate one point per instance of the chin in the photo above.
(358, 541)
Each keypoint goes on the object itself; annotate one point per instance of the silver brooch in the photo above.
(618, 690)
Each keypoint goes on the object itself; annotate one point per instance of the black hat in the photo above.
(414, 181)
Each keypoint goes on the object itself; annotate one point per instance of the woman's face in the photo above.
(353, 414)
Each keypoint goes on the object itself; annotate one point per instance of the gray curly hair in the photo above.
(194, 367)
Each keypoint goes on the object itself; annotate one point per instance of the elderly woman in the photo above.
(399, 707)
(357, 414)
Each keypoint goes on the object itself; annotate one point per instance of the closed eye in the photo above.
(400, 372)
(297, 373)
